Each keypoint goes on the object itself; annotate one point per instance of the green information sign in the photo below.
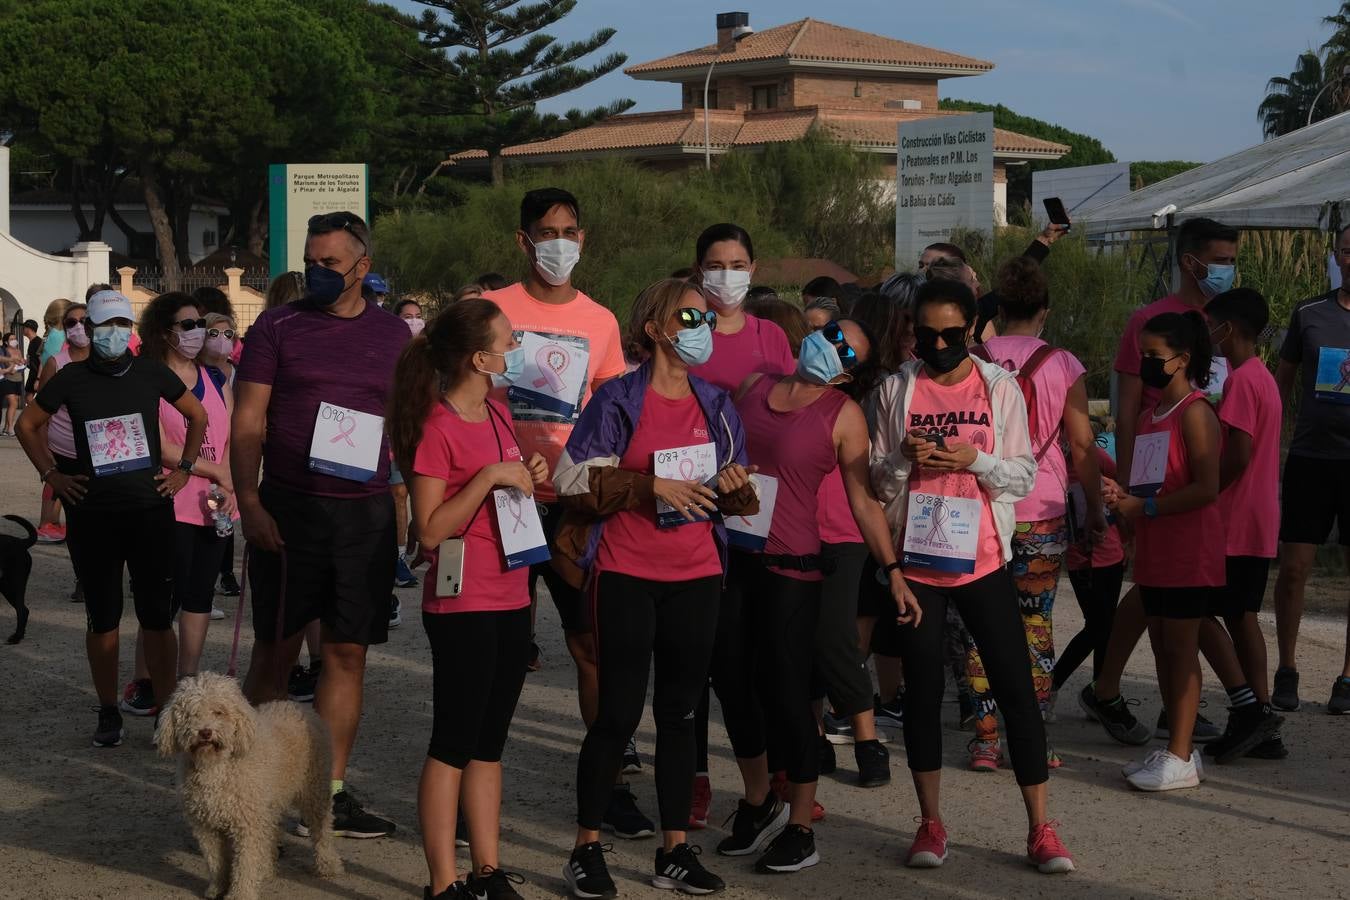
(298, 191)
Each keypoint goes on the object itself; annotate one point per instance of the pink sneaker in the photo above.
(698, 810)
(1046, 851)
(51, 534)
(929, 849)
(985, 755)
(779, 785)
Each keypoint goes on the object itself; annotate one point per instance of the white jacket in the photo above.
(1006, 474)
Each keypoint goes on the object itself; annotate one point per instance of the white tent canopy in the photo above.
(1297, 180)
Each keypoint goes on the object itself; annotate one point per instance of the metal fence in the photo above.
(152, 279)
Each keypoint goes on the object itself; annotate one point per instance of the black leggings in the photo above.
(477, 670)
(841, 669)
(196, 566)
(102, 544)
(227, 558)
(636, 621)
(1097, 592)
(990, 610)
(766, 642)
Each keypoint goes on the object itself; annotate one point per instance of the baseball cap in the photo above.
(376, 283)
(107, 305)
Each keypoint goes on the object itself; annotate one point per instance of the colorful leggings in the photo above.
(1038, 556)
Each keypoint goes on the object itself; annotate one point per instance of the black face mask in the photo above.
(941, 361)
(1152, 372)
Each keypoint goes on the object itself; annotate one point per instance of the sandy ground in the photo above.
(76, 822)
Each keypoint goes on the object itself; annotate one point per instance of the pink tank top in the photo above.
(835, 518)
(189, 504)
(1186, 549)
(60, 435)
(797, 448)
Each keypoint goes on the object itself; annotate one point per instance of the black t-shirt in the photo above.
(120, 415)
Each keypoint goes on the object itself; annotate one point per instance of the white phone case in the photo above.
(450, 568)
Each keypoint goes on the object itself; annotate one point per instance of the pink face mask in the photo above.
(219, 346)
(78, 337)
(416, 325)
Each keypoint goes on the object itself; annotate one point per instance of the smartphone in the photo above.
(936, 437)
(450, 568)
(1054, 208)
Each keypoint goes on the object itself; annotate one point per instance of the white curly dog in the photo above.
(240, 769)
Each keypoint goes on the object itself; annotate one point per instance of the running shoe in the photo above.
(1247, 727)
(779, 785)
(229, 587)
(623, 818)
(77, 595)
(891, 715)
(1046, 851)
(929, 849)
(632, 763)
(1271, 748)
(586, 873)
(403, 576)
(1285, 695)
(50, 534)
(217, 613)
(1140, 764)
(1165, 772)
(838, 730)
(826, 763)
(138, 698)
(680, 870)
(456, 891)
(1203, 731)
(494, 884)
(395, 612)
(350, 820)
(985, 756)
(1048, 710)
(754, 826)
(303, 682)
(110, 731)
(874, 763)
(698, 809)
(1339, 704)
(793, 850)
(1052, 757)
(1115, 717)
(965, 706)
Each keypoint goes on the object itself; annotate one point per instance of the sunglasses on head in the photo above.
(848, 357)
(692, 317)
(72, 323)
(217, 332)
(189, 324)
(338, 221)
(952, 337)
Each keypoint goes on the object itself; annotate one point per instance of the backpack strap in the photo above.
(1034, 362)
(981, 351)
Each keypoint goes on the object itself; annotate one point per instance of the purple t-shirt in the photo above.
(309, 357)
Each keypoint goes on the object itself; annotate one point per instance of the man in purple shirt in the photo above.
(309, 406)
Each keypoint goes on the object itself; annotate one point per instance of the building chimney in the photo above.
(728, 25)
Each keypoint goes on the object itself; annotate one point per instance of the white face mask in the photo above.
(727, 286)
(556, 259)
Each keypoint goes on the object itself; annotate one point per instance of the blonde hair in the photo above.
(657, 303)
(56, 313)
(214, 319)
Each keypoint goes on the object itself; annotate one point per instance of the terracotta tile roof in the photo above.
(810, 40)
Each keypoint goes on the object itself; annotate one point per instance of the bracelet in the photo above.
(42, 479)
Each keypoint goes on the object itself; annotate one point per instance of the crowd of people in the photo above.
(731, 496)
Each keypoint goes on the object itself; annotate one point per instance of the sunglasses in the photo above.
(189, 324)
(68, 324)
(338, 221)
(217, 332)
(848, 357)
(692, 317)
(952, 337)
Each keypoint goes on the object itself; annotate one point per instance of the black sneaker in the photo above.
(837, 729)
(680, 870)
(110, 731)
(1339, 704)
(623, 818)
(892, 714)
(586, 872)
(395, 612)
(874, 763)
(138, 698)
(350, 820)
(494, 884)
(1202, 732)
(1285, 695)
(229, 587)
(791, 851)
(456, 891)
(1271, 748)
(632, 763)
(826, 763)
(302, 683)
(754, 826)
(1248, 726)
(77, 595)
(965, 705)
(1115, 717)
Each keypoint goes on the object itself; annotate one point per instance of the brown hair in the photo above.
(1022, 289)
(783, 314)
(657, 303)
(430, 364)
(157, 321)
(284, 288)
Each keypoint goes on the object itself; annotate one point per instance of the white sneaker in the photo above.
(1166, 772)
(1048, 712)
(217, 614)
(1199, 759)
(1140, 764)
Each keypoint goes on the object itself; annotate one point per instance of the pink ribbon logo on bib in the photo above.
(344, 432)
(516, 507)
(553, 361)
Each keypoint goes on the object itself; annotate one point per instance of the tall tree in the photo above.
(503, 65)
(1288, 100)
(1337, 58)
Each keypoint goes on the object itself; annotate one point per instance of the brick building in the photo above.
(776, 85)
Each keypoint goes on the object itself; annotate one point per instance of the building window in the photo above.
(764, 96)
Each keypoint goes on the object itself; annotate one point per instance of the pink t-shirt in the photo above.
(1250, 505)
(454, 451)
(547, 400)
(1053, 379)
(632, 543)
(1110, 551)
(964, 415)
(189, 504)
(60, 437)
(760, 346)
(1186, 549)
(1127, 357)
(834, 516)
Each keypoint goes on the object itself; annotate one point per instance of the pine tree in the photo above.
(498, 64)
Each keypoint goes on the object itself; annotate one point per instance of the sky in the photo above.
(1151, 79)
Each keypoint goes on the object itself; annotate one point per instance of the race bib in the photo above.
(752, 532)
(694, 463)
(942, 533)
(1333, 375)
(554, 381)
(1218, 377)
(523, 542)
(117, 444)
(346, 443)
(1148, 469)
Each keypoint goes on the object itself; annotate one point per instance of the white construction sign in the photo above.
(944, 181)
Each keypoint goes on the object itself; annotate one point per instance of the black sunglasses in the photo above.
(217, 332)
(338, 221)
(835, 335)
(190, 324)
(68, 324)
(692, 317)
(952, 337)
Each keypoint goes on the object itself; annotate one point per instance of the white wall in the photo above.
(36, 279)
(53, 228)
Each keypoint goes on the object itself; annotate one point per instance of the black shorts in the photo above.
(875, 600)
(1315, 495)
(11, 388)
(573, 609)
(339, 564)
(1246, 588)
(196, 566)
(1179, 602)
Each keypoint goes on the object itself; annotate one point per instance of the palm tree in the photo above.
(1289, 99)
(1337, 50)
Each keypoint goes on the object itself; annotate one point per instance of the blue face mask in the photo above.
(324, 286)
(111, 341)
(818, 360)
(1218, 279)
(693, 345)
(515, 366)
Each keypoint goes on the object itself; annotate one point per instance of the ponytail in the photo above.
(1186, 332)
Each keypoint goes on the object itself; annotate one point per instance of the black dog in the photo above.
(17, 536)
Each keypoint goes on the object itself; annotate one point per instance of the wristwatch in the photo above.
(186, 465)
(884, 572)
(1151, 507)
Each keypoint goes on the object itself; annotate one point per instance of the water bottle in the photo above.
(215, 503)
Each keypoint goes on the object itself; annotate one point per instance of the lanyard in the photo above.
(501, 455)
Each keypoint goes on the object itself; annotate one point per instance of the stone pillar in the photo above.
(128, 280)
(4, 190)
(94, 255)
(233, 289)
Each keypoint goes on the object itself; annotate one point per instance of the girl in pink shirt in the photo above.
(1179, 537)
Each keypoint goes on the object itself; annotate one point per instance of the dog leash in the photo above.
(239, 615)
